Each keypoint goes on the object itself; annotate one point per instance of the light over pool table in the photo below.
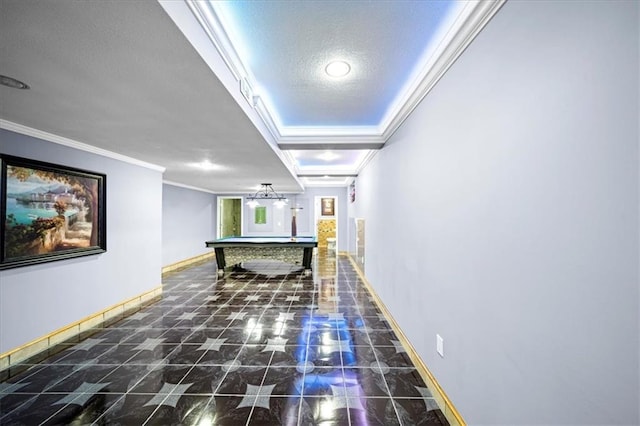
(235, 250)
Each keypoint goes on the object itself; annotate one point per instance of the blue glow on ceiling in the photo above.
(343, 158)
(286, 46)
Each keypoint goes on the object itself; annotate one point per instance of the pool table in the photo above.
(235, 250)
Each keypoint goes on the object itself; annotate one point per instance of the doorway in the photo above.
(326, 215)
(229, 217)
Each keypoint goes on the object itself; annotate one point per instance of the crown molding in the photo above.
(319, 172)
(272, 139)
(181, 185)
(330, 131)
(318, 137)
(472, 19)
(331, 138)
(210, 22)
(320, 182)
(60, 140)
(321, 146)
(334, 175)
(267, 119)
(336, 139)
(365, 161)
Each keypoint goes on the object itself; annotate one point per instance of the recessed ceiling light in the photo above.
(338, 69)
(328, 156)
(13, 83)
(207, 165)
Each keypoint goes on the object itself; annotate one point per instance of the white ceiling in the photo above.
(239, 84)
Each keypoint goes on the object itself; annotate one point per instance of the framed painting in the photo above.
(260, 215)
(49, 212)
(327, 206)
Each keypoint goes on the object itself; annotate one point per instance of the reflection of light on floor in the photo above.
(279, 328)
(253, 329)
(326, 410)
(326, 339)
(326, 292)
(345, 393)
(316, 384)
(207, 420)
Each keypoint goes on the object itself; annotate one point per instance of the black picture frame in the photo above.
(49, 212)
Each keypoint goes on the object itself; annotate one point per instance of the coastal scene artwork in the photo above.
(49, 212)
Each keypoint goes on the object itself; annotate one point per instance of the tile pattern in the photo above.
(265, 345)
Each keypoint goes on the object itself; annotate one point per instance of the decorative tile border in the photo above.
(74, 331)
(234, 255)
(188, 262)
(453, 417)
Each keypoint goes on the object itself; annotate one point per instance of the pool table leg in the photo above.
(220, 260)
(307, 256)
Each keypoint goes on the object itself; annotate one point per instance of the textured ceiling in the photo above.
(120, 76)
(286, 46)
(160, 82)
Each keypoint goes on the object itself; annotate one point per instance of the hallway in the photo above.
(261, 346)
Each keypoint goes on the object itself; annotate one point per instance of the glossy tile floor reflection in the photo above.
(262, 346)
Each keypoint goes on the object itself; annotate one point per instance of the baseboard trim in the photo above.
(451, 414)
(78, 330)
(188, 262)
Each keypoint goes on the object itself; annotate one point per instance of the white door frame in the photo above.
(317, 214)
(219, 215)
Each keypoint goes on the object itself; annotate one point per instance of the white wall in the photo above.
(279, 220)
(188, 220)
(341, 210)
(503, 215)
(36, 300)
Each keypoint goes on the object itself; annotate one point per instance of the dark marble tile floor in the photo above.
(263, 345)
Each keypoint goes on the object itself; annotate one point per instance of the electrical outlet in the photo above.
(440, 345)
